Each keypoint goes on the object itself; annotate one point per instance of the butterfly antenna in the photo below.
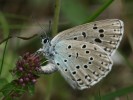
(49, 25)
(42, 34)
(49, 30)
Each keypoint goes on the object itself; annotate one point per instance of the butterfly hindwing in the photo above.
(105, 33)
(82, 53)
(81, 63)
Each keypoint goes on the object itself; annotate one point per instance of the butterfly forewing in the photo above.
(105, 33)
(81, 63)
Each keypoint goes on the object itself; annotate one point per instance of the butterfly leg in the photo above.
(49, 68)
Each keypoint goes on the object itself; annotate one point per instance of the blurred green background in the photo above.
(16, 20)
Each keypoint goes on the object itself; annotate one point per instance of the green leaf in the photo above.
(74, 11)
(7, 89)
(9, 98)
(3, 82)
(10, 89)
(31, 89)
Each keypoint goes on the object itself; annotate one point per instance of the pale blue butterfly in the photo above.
(82, 54)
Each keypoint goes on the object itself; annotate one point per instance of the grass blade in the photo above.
(117, 93)
(99, 11)
(5, 27)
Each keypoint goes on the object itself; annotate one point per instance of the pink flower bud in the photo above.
(23, 84)
(27, 79)
(21, 80)
(34, 80)
(20, 69)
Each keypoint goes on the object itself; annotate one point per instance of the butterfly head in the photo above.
(45, 41)
(46, 45)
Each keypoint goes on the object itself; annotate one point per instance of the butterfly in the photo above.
(83, 53)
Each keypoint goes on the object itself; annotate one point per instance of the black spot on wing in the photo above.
(91, 58)
(94, 27)
(69, 47)
(84, 46)
(87, 51)
(77, 67)
(75, 38)
(77, 55)
(89, 62)
(65, 60)
(98, 40)
(101, 35)
(58, 64)
(74, 72)
(85, 66)
(69, 55)
(84, 34)
(101, 31)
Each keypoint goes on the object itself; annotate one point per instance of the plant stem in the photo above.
(54, 31)
(49, 91)
(56, 17)
(99, 94)
(99, 11)
(127, 97)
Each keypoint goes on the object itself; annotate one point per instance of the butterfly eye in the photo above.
(45, 40)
